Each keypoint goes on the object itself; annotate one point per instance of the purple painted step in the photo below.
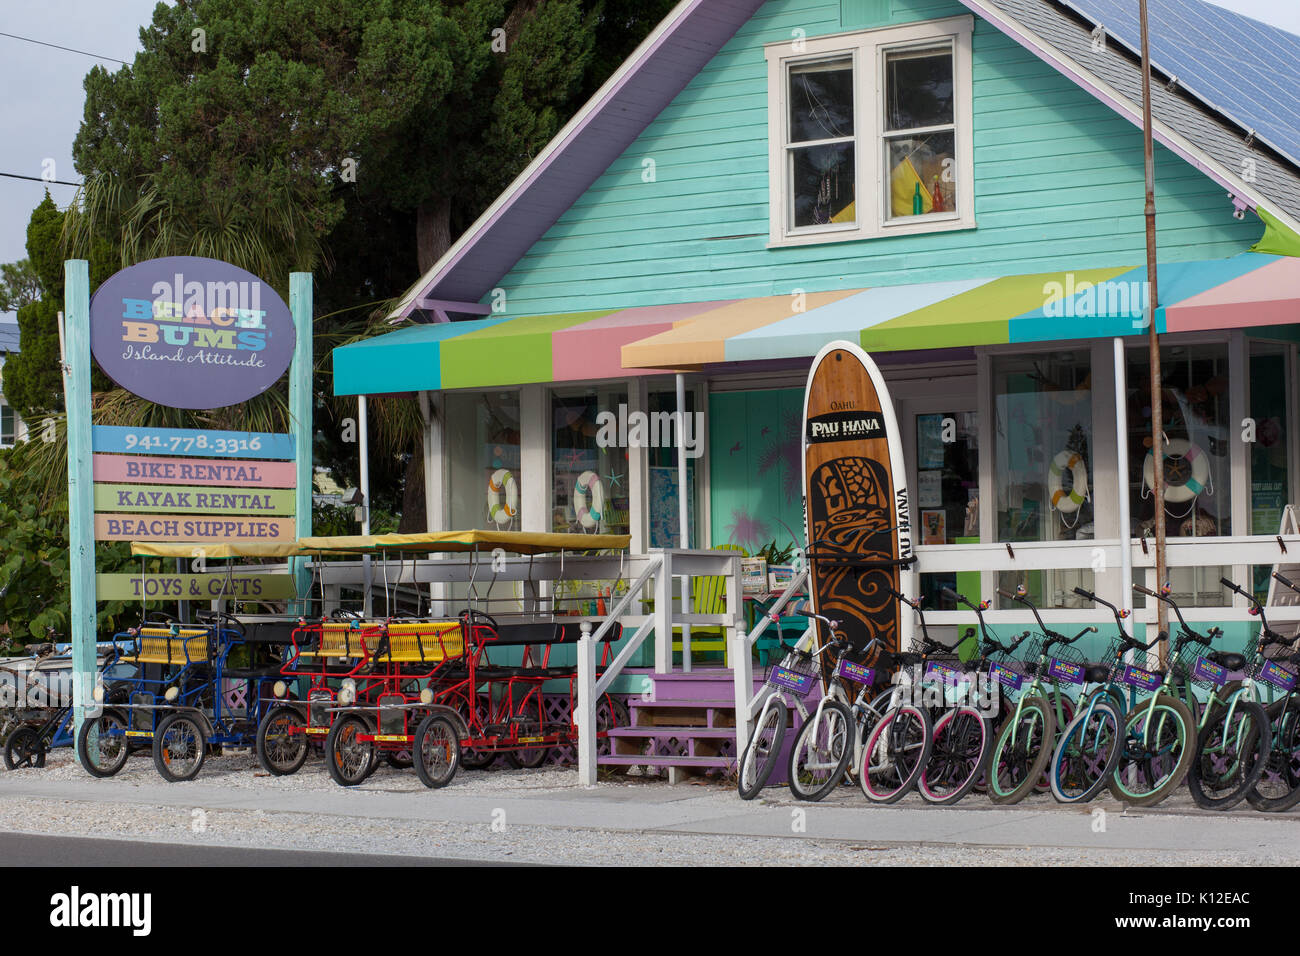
(702, 733)
(686, 710)
(649, 760)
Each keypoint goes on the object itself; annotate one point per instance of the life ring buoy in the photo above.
(502, 480)
(1062, 500)
(589, 514)
(1193, 456)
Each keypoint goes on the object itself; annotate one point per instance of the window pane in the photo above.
(823, 185)
(581, 457)
(821, 101)
(1269, 478)
(918, 89)
(482, 450)
(1198, 474)
(664, 506)
(1043, 464)
(922, 174)
(6, 425)
(947, 496)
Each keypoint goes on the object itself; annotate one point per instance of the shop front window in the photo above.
(664, 509)
(1197, 464)
(1044, 464)
(484, 479)
(1270, 480)
(947, 496)
(589, 461)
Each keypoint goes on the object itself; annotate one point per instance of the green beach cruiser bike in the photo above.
(1027, 738)
(1160, 734)
(1279, 786)
(1089, 748)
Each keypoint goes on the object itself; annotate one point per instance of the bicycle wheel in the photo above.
(281, 744)
(1278, 788)
(179, 748)
(111, 749)
(895, 754)
(1153, 765)
(349, 760)
(437, 751)
(1231, 754)
(821, 752)
(763, 750)
(1044, 784)
(1025, 744)
(25, 748)
(1087, 753)
(959, 756)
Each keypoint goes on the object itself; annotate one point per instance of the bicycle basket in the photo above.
(1065, 664)
(1199, 671)
(1013, 669)
(1277, 673)
(798, 672)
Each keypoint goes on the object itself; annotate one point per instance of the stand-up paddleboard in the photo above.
(855, 497)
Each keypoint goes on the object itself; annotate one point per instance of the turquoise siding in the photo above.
(1058, 185)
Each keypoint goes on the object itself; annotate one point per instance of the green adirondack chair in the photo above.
(708, 596)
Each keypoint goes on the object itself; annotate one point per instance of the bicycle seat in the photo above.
(1097, 674)
(1230, 661)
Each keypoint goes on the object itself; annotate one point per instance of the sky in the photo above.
(42, 99)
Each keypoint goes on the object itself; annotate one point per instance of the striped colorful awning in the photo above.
(1249, 290)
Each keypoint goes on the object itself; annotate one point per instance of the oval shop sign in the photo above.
(190, 332)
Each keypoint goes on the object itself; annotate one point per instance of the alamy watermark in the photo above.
(624, 429)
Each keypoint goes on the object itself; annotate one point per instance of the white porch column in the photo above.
(363, 437)
(1121, 473)
(683, 517)
(586, 709)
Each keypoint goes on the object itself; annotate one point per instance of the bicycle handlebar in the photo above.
(1282, 579)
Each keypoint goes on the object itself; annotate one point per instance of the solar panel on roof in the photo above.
(1245, 69)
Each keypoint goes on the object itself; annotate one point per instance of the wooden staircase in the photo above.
(686, 726)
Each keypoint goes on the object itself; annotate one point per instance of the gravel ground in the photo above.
(134, 813)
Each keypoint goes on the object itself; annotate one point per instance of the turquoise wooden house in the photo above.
(958, 186)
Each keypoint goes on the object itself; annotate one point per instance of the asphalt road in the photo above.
(27, 849)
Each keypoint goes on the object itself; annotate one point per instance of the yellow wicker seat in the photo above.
(339, 639)
(157, 645)
(428, 642)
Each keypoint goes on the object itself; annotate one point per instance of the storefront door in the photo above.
(941, 444)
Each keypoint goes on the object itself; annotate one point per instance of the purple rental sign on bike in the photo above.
(191, 332)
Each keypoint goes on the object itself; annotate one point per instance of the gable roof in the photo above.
(690, 36)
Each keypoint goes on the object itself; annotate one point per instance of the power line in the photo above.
(69, 49)
(40, 179)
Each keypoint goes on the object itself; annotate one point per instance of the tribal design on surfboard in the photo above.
(855, 506)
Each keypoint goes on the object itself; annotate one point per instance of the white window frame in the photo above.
(867, 50)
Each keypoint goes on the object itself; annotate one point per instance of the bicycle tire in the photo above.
(959, 755)
(1278, 788)
(1016, 767)
(436, 751)
(762, 752)
(118, 756)
(834, 745)
(1246, 763)
(892, 764)
(1138, 760)
(1087, 775)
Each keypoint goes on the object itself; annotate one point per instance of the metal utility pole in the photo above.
(1157, 412)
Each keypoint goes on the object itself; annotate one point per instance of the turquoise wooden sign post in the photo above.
(81, 491)
(300, 408)
(81, 477)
